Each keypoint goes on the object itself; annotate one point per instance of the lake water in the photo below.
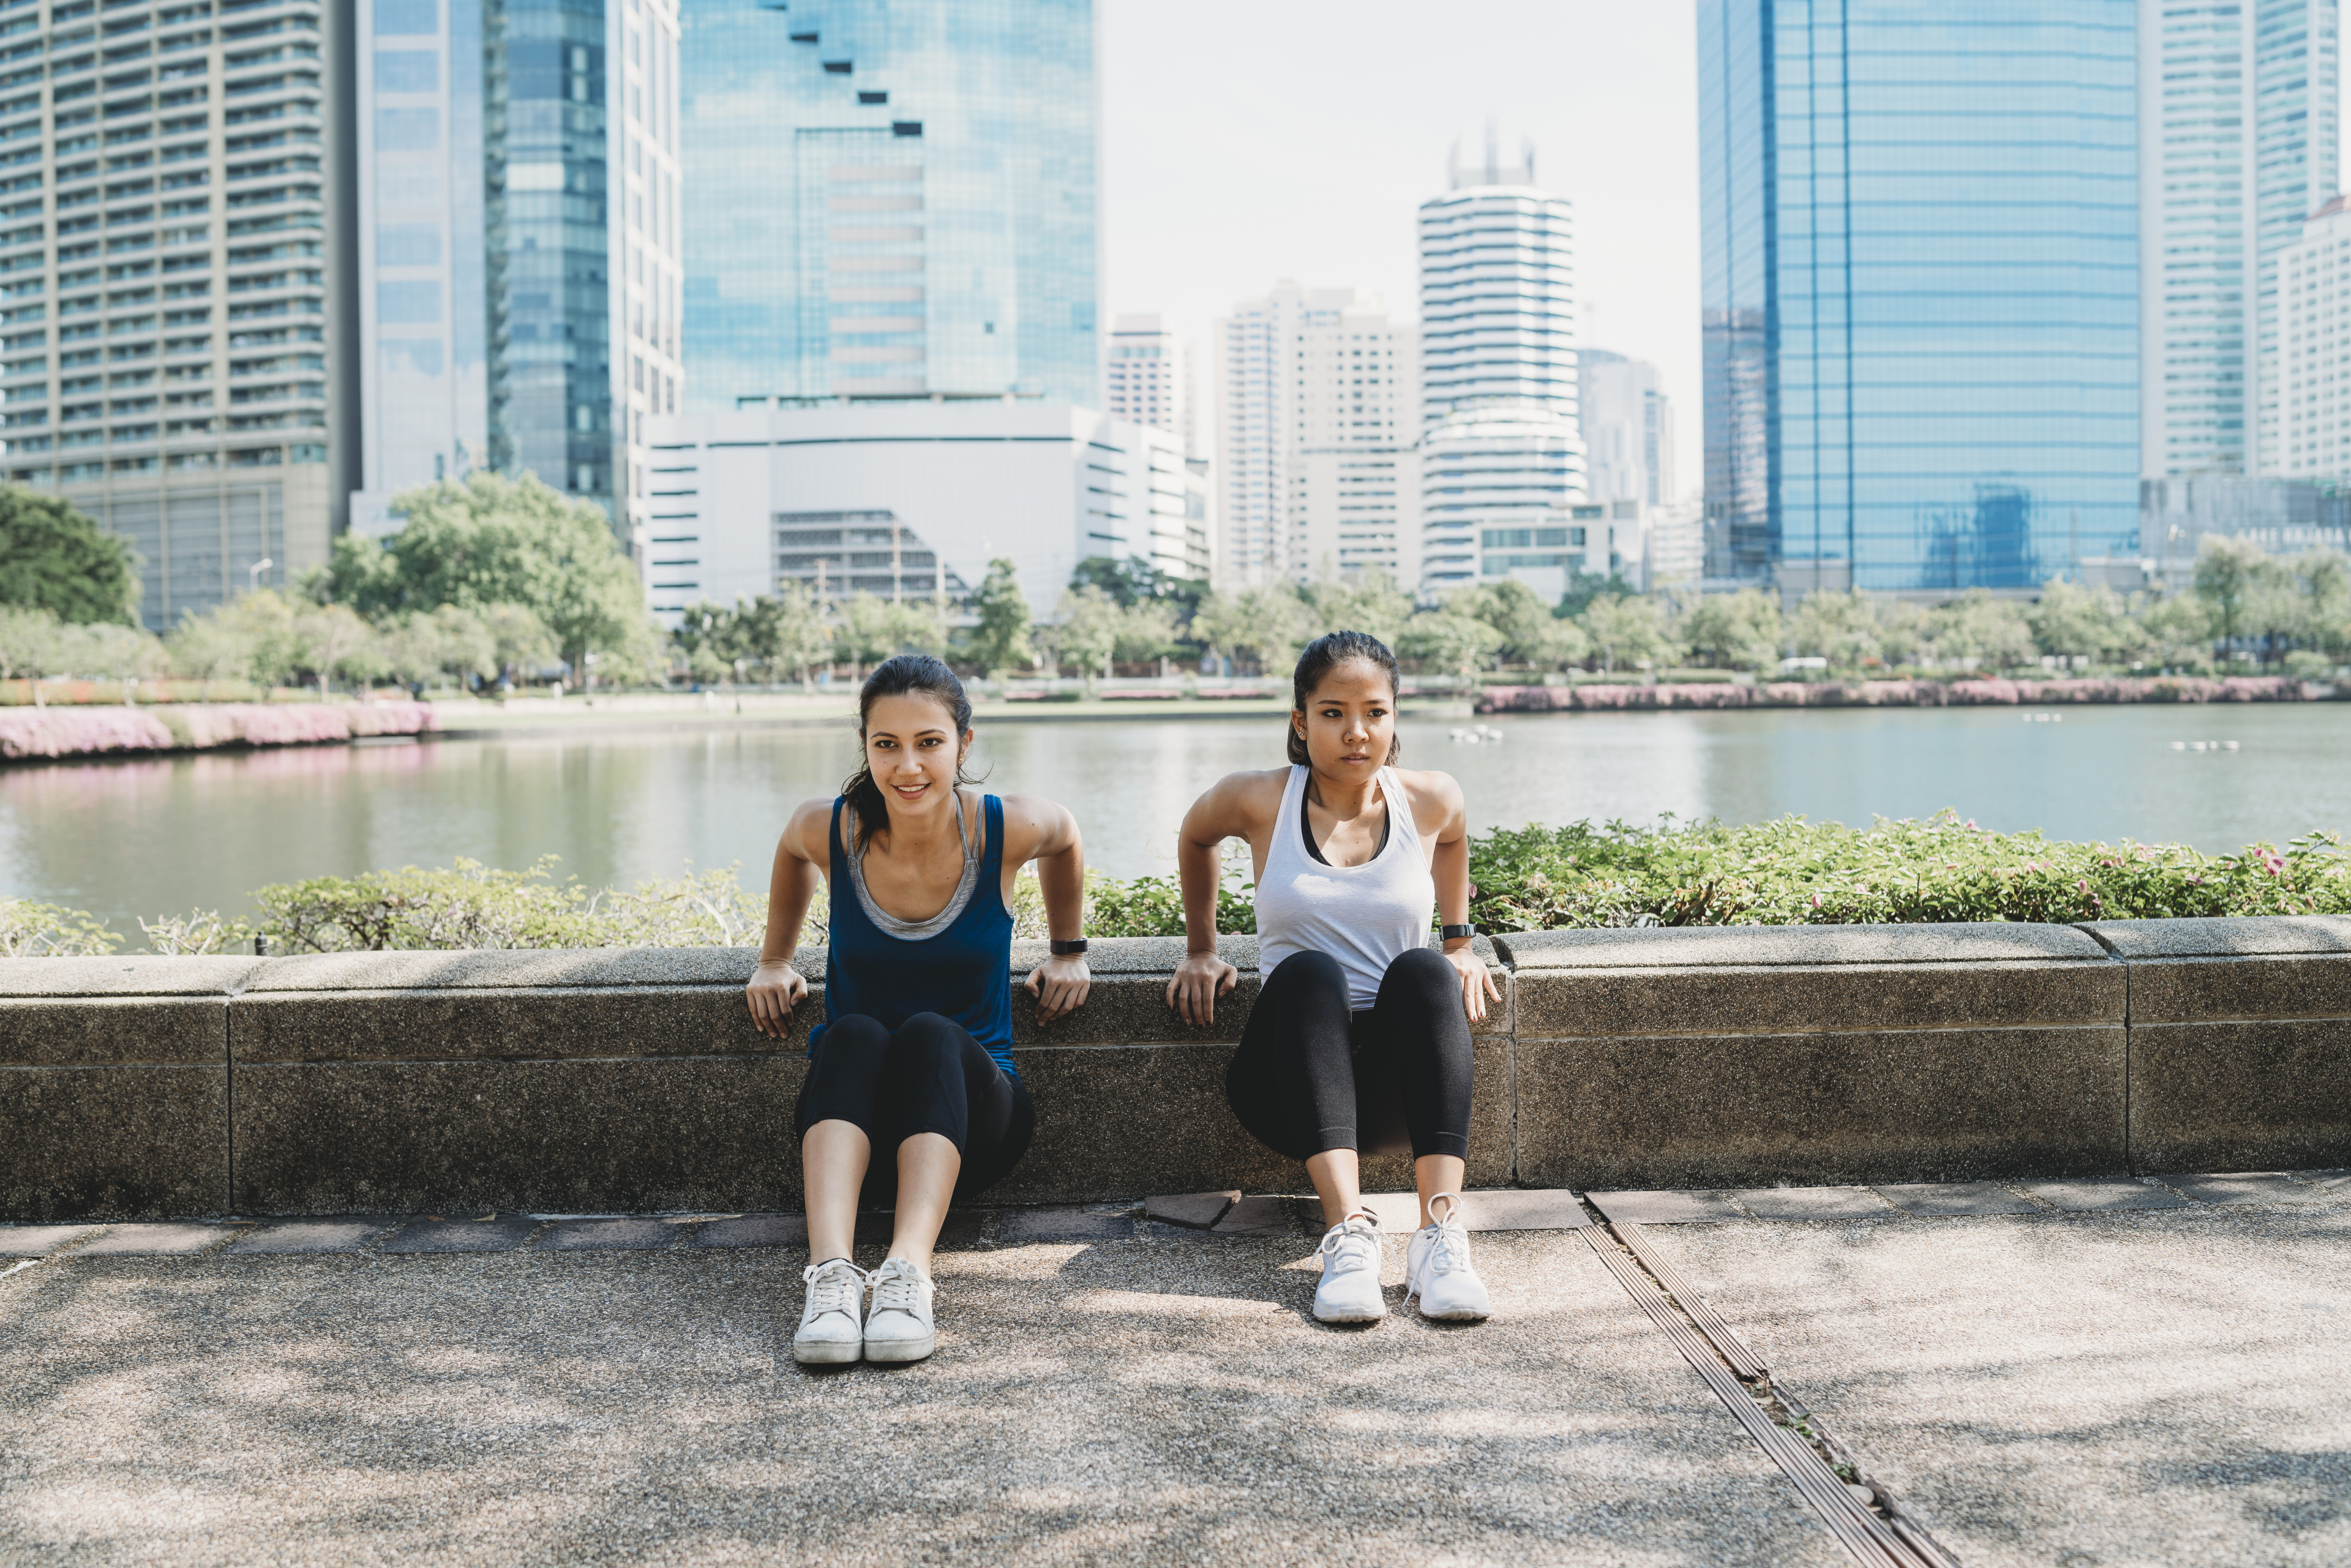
(128, 838)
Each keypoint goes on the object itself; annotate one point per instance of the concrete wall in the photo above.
(631, 1079)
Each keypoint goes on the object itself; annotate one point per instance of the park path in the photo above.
(2067, 1381)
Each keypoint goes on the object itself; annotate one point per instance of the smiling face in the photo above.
(913, 751)
(1350, 721)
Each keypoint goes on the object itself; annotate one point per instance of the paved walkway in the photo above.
(2052, 1384)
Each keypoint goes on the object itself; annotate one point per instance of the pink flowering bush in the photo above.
(1629, 697)
(72, 732)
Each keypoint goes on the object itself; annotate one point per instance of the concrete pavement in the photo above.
(2083, 1384)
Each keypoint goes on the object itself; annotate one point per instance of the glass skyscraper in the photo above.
(1920, 229)
(2238, 145)
(519, 282)
(891, 200)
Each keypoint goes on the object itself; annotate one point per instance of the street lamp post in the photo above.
(253, 574)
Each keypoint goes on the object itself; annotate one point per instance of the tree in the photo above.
(2075, 622)
(1735, 630)
(787, 633)
(2325, 609)
(29, 641)
(257, 636)
(1085, 633)
(2227, 570)
(488, 539)
(1369, 603)
(1839, 627)
(1625, 629)
(1447, 642)
(999, 641)
(1978, 632)
(1513, 608)
(1268, 625)
(1146, 631)
(54, 557)
(866, 632)
(335, 642)
(2179, 626)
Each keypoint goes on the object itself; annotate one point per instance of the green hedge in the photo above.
(1788, 873)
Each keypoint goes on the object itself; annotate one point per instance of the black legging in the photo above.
(1311, 1076)
(930, 1076)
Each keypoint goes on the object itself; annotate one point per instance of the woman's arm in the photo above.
(1229, 809)
(1448, 864)
(776, 986)
(1039, 829)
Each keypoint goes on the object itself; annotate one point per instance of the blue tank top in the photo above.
(964, 972)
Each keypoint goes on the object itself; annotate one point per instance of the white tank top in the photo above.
(1363, 915)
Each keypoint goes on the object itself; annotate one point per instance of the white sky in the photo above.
(1244, 143)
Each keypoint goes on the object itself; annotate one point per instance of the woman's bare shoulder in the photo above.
(1436, 796)
(805, 832)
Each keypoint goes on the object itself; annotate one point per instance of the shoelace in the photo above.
(1448, 1249)
(1354, 1229)
(897, 1287)
(836, 1285)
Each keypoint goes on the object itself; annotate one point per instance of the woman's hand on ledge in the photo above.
(1060, 986)
(1477, 982)
(775, 989)
(1199, 980)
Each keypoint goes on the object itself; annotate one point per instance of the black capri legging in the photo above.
(928, 1076)
(1310, 1075)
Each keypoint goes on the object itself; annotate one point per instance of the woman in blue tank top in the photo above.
(914, 1055)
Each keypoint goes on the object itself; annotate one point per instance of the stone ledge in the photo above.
(1811, 946)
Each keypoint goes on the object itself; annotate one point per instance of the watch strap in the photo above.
(1447, 932)
(1062, 949)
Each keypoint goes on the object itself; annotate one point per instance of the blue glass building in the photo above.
(892, 199)
(1920, 289)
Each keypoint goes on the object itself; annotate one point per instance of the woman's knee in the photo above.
(1423, 971)
(1307, 974)
(928, 1040)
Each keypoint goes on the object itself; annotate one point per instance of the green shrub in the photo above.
(1153, 906)
(473, 905)
(1793, 872)
(29, 930)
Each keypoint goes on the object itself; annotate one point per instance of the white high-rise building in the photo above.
(1315, 390)
(1628, 428)
(172, 239)
(2314, 348)
(908, 498)
(1149, 378)
(1501, 452)
(2237, 137)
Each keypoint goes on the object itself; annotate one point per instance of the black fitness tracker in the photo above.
(1447, 932)
(1062, 948)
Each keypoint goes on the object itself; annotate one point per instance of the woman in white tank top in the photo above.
(1358, 1041)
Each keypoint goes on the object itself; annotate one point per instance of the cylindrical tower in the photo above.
(1498, 365)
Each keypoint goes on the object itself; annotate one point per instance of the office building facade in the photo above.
(1315, 392)
(1628, 428)
(2237, 143)
(1920, 280)
(169, 257)
(891, 202)
(1148, 377)
(2313, 333)
(908, 500)
(519, 285)
(1501, 449)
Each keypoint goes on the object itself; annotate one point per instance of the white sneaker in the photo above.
(899, 1327)
(1437, 1264)
(832, 1321)
(1350, 1291)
